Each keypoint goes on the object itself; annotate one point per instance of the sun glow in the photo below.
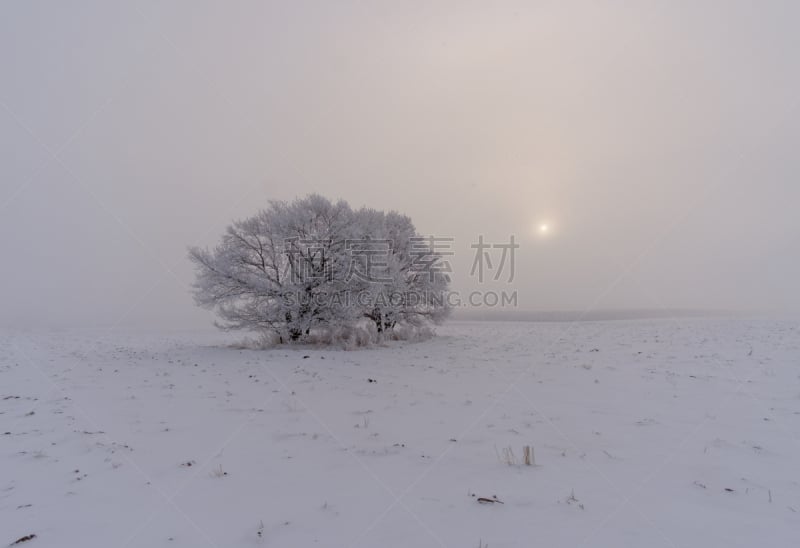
(542, 229)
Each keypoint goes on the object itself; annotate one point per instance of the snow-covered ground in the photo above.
(645, 433)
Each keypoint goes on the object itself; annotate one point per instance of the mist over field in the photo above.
(655, 140)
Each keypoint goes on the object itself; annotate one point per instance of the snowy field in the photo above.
(646, 433)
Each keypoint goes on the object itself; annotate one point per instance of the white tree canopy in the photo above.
(314, 264)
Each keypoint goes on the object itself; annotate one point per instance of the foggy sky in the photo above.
(658, 141)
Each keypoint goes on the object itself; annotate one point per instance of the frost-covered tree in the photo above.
(312, 264)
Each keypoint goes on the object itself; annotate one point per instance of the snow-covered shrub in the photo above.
(409, 332)
(355, 336)
(313, 269)
(261, 341)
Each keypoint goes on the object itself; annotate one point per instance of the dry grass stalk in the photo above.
(527, 455)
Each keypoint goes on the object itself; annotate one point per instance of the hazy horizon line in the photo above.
(607, 314)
